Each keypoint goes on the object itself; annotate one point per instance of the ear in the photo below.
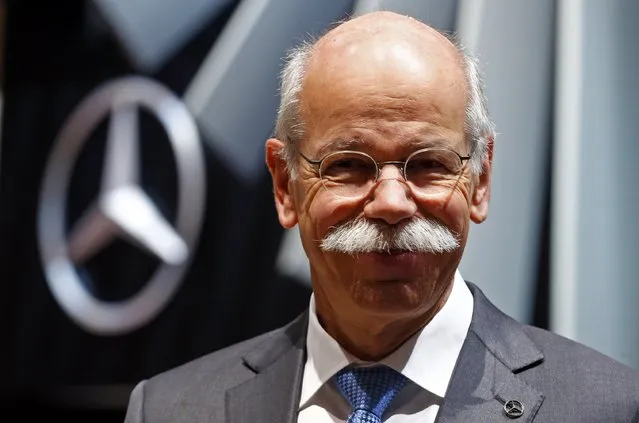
(281, 183)
(481, 192)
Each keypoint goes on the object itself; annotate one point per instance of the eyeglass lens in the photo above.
(353, 174)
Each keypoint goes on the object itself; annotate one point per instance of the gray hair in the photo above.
(289, 127)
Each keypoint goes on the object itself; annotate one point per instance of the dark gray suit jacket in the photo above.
(259, 380)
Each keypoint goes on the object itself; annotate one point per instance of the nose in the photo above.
(391, 199)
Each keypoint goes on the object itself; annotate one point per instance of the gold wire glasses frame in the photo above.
(352, 174)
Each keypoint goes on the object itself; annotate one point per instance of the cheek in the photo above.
(327, 211)
(457, 214)
(452, 210)
(318, 211)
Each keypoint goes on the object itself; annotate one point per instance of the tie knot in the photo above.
(369, 388)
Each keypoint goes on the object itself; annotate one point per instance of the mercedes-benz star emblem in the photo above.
(513, 409)
(121, 208)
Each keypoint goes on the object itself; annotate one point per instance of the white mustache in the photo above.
(418, 235)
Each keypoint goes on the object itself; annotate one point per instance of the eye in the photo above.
(348, 168)
(434, 161)
(350, 163)
(425, 164)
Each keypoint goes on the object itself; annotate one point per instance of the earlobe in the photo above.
(282, 189)
(481, 192)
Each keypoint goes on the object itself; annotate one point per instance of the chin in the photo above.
(396, 297)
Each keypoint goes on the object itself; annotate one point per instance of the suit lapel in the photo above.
(272, 394)
(486, 379)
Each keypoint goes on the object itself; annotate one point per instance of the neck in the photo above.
(372, 337)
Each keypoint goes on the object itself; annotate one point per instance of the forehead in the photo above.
(388, 87)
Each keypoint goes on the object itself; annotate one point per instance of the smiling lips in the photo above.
(397, 252)
(390, 258)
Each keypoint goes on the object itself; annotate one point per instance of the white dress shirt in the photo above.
(427, 359)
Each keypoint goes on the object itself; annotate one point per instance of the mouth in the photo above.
(391, 252)
(390, 265)
(390, 256)
(396, 252)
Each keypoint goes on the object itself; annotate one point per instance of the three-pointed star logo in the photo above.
(122, 207)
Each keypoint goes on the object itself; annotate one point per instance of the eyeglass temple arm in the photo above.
(310, 161)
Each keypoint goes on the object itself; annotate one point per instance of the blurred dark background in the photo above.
(55, 53)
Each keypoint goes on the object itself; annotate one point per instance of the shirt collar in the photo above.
(427, 358)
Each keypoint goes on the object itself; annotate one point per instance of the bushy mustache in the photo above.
(418, 235)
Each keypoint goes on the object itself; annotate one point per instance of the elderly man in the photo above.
(382, 156)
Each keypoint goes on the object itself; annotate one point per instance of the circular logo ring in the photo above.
(119, 317)
(513, 409)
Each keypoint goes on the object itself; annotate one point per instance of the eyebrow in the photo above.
(355, 144)
(418, 144)
(343, 144)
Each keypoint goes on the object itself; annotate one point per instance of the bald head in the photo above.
(388, 27)
(385, 66)
(381, 54)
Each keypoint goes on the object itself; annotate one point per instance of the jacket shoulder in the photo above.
(199, 384)
(567, 353)
(225, 366)
(575, 375)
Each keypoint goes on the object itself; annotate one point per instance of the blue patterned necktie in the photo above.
(369, 390)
